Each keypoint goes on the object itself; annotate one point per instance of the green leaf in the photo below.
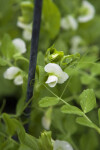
(7, 47)
(86, 79)
(17, 57)
(99, 115)
(48, 101)
(69, 124)
(20, 130)
(71, 110)
(13, 126)
(40, 59)
(21, 103)
(30, 141)
(85, 122)
(68, 7)
(60, 44)
(51, 17)
(86, 30)
(41, 73)
(75, 80)
(95, 69)
(87, 100)
(2, 62)
(8, 145)
(89, 140)
(24, 147)
(45, 141)
(20, 106)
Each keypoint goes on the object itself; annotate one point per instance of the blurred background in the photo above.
(70, 26)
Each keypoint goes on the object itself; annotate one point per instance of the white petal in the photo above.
(64, 24)
(62, 145)
(90, 12)
(18, 80)
(52, 80)
(11, 72)
(46, 123)
(58, 75)
(75, 41)
(85, 18)
(20, 45)
(69, 22)
(27, 34)
(73, 23)
(21, 25)
(53, 69)
(63, 77)
(76, 44)
(24, 26)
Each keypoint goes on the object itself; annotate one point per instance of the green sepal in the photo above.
(27, 12)
(69, 60)
(53, 56)
(45, 141)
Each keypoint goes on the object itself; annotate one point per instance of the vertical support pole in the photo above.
(33, 53)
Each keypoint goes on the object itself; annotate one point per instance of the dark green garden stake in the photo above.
(33, 53)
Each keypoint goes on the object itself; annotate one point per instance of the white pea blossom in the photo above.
(87, 10)
(76, 41)
(69, 22)
(46, 119)
(20, 45)
(13, 73)
(23, 25)
(46, 122)
(27, 34)
(18, 80)
(62, 145)
(56, 74)
(27, 30)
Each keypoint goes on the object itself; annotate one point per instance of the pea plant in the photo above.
(49, 62)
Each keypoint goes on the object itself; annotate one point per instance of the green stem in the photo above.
(94, 125)
(73, 144)
(5, 136)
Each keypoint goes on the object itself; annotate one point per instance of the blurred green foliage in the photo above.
(80, 94)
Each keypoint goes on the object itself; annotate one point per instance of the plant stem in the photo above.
(94, 125)
(33, 53)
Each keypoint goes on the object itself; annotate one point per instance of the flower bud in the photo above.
(52, 55)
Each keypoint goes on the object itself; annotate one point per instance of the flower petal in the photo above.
(63, 145)
(53, 69)
(64, 24)
(21, 25)
(46, 122)
(63, 77)
(52, 80)
(18, 80)
(11, 72)
(24, 26)
(76, 41)
(69, 22)
(27, 34)
(20, 45)
(72, 22)
(90, 12)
